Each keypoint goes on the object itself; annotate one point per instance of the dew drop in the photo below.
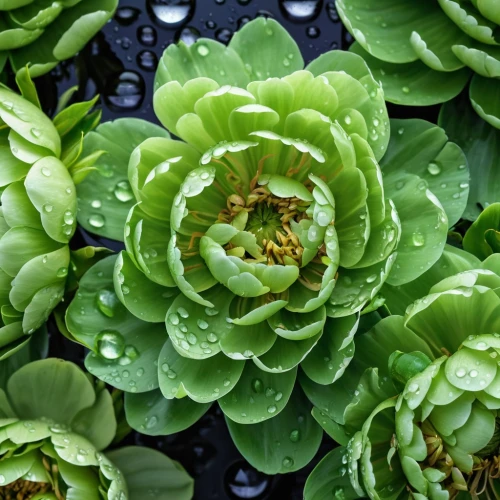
(433, 168)
(257, 385)
(461, 372)
(47, 207)
(295, 436)
(287, 462)
(171, 13)
(96, 220)
(46, 172)
(203, 50)
(110, 344)
(418, 239)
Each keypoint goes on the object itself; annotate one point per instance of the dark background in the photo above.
(119, 64)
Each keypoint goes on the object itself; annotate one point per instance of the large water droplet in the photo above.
(418, 239)
(107, 302)
(127, 15)
(125, 91)
(147, 36)
(96, 220)
(300, 11)
(188, 35)
(171, 13)
(433, 168)
(110, 344)
(147, 60)
(123, 191)
(242, 481)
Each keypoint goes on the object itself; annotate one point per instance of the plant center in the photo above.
(269, 219)
(24, 490)
(485, 470)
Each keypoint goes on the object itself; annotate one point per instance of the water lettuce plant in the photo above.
(43, 33)
(55, 426)
(41, 162)
(258, 239)
(425, 52)
(417, 411)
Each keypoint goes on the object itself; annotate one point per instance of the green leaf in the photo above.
(29, 121)
(485, 98)
(205, 58)
(258, 395)
(451, 262)
(414, 83)
(333, 352)
(294, 428)
(107, 192)
(423, 149)
(125, 348)
(477, 238)
(152, 414)
(74, 27)
(51, 388)
(329, 477)
(52, 192)
(143, 298)
(267, 49)
(145, 469)
(481, 145)
(27, 87)
(203, 380)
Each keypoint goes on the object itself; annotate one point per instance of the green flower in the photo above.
(54, 426)
(423, 52)
(42, 33)
(40, 164)
(422, 421)
(260, 239)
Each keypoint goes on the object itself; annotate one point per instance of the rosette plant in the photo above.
(260, 238)
(43, 33)
(417, 411)
(40, 164)
(55, 425)
(425, 52)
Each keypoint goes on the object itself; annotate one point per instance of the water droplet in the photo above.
(406, 90)
(188, 35)
(171, 13)
(96, 220)
(473, 373)
(313, 32)
(126, 16)
(257, 385)
(140, 372)
(287, 462)
(295, 436)
(36, 132)
(300, 11)
(347, 119)
(107, 302)
(271, 409)
(223, 35)
(147, 60)
(110, 344)
(226, 382)
(147, 36)
(242, 481)
(62, 272)
(131, 352)
(211, 337)
(371, 278)
(96, 204)
(182, 312)
(68, 217)
(125, 91)
(46, 172)
(461, 372)
(123, 191)
(332, 12)
(191, 338)
(202, 324)
(151, 422)
(418, 239)
(433, 168)
(203, 50)
(48, 208)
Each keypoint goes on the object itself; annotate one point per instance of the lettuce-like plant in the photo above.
(425, 52)
(417, 411)
(55, 425)
(259, 239)
(40, 163)
(43, 33)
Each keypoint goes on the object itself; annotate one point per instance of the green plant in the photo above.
(425, 52)
(422, 420)
(43, 33)
(260, 239)
(41, 162)
(55, 425)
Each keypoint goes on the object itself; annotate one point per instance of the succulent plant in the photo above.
(425, 52)
(418, 412)
(43, 33)
(54, 427)
(483, 238)
(41, 162)
(260, 238)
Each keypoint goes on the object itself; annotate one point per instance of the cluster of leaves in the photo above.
(284, 256)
